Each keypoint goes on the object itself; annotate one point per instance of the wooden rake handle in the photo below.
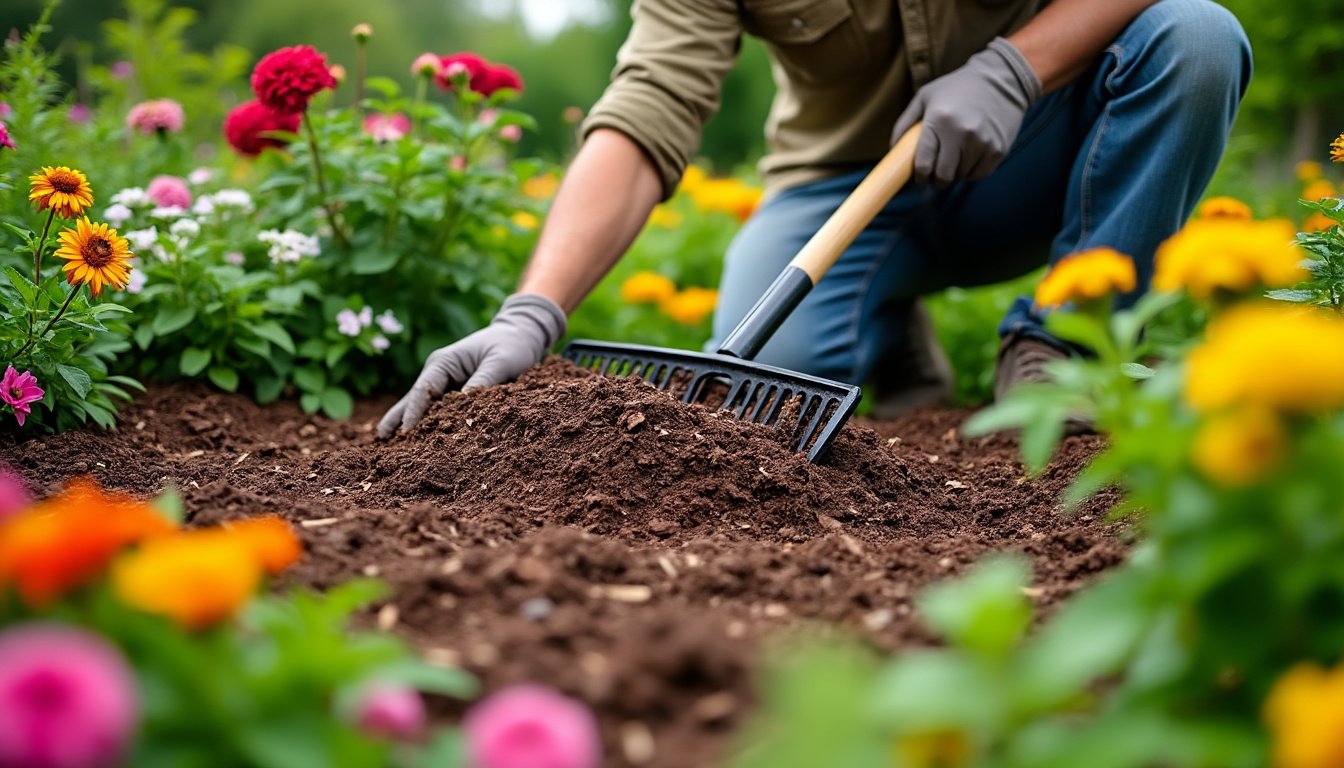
(821, 252)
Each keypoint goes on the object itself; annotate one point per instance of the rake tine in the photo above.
(752, 391)
(817, 420)
(770, 392)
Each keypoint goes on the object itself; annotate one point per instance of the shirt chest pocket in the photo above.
(815, 41)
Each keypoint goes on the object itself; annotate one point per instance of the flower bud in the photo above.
(362, 33)
(337, 73)
(426, 65)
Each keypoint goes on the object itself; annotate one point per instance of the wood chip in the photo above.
(450, 566)
(242, 458)
(387, 617)
(633, 421)
(714, 707)
(319, 522)
(893, 440)
(776, 611)
(627, 593)
(195, 453)
(1033, 592)
(667, 566)
(693, 561)
(443, 657)
(829, 522)
(956, 485)
(736, 630)
(637, 743)
(371, 570)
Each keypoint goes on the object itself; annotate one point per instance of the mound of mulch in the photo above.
(598, 536)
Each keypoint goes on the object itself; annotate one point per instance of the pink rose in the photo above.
(391, 711)
(529, 726)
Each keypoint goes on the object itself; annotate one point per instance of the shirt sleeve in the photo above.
(668, 79)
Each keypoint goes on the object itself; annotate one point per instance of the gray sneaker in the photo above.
(919, 373)
(1023, 360)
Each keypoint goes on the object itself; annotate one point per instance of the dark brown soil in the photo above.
(597, 536)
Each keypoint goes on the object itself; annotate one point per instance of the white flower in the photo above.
(200, 176)
(289, 246)
(159, 252)
(380, 343)
(118, 214)
(388, 323)
(142, 239)
(185, 228)
(235, 258)
(136, 282)
(347, 322)
(204, 205)
(233, 198)
(366, 316)
(132, 197)
(168, 212)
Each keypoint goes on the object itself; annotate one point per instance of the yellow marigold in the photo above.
(647, 288)
(196, 578)
(271, 540)
(1309, 170)
(1319, 189)
(1087, 275)
(729, 196)
(63, 190)
(944, 748)
(1305, 715)
(94, 254)
(1337, 149)
(1277, 356)
(1224, 208)
(1237, 448)
(1318, 222)
(542, 186)
(690, 306)
(1212, 255)
(526, 220)
(692, 179)
(664, 217)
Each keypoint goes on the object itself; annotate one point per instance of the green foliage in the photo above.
(1325, 264)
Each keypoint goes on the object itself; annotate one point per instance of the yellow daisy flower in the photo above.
(1305, 715)
(1214, 255)
(63, 190)
(1224, 208)
(647, 288)
(1087, 275)
(95, 255)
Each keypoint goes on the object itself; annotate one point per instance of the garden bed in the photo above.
(597, 536)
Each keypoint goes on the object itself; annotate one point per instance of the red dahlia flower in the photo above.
(499, 76)
(286, 79)
(247, 124)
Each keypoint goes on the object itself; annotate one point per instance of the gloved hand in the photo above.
(971, 115)
(517, 339)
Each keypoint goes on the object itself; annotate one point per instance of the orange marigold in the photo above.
(1210, 256)
(1087, 275)
(67, 540)
(1318, 190)
(1337, 149)
(647, 288)
(196, 578)
(271, 540)
(1224, 208)
(691, 306)
(1305, 715)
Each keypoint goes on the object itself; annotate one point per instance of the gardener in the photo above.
(1048, 129)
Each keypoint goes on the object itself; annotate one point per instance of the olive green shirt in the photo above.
(843, 70)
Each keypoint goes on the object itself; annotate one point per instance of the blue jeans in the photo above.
(1118, 158)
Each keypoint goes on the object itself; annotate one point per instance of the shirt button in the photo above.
(797, 23)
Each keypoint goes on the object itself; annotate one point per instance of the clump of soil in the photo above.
(596, 535)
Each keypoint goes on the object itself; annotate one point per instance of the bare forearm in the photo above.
(605, 199)
(1066, 37)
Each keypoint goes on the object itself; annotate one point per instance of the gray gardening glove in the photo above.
(517, 339)
(971, 115)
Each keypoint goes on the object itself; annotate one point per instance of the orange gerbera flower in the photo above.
(63, 190)
(95, 255)
(271, 540)
(68, 540)
(196, 578)
(1337, 149)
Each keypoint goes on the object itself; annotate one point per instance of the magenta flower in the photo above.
(67, 699)
(387, 127)
(160, 116)
(529, 726)
(122, 70)
(14, 496)
(5, 140)
(19, 391)
(5, 109)
(391, 711)
(80, 114)
(169, 192)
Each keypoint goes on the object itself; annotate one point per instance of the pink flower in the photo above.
(5, 109)
(511, 133)
(122, 70)
(80, 114)
(160, 116)
(387, 127)
(67, 699)
(169, 192)
(458, 163)
(5, 140)
(488, 116)
(347, 323)
(391, 711)
(287, 79)
(235, 258)
(18, 391)
(380, 343)
(14, 496)
(426, 65)
(529, 726)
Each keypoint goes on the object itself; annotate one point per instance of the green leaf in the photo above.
(1137, 371)
(310, 378)
(23, 285)
(429, 678)
(374, 262)
(77, 379)
(276, 334)
(268, 389)
(259, 347)
(224, 378)
(335, 353)
(169, 504)
(337, 403)
(984, 611)
(174, 319)
(144, 334)
(193, 361)
(310, 402)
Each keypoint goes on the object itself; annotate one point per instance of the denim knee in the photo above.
(1203, 47)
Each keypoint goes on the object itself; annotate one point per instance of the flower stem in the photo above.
(41, 244)
(360, 68)
(422, 82)
(69, 298)
(327, 204)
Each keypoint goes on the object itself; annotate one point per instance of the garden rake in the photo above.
(812, 409)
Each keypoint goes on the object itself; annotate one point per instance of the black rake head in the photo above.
(811, 409)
